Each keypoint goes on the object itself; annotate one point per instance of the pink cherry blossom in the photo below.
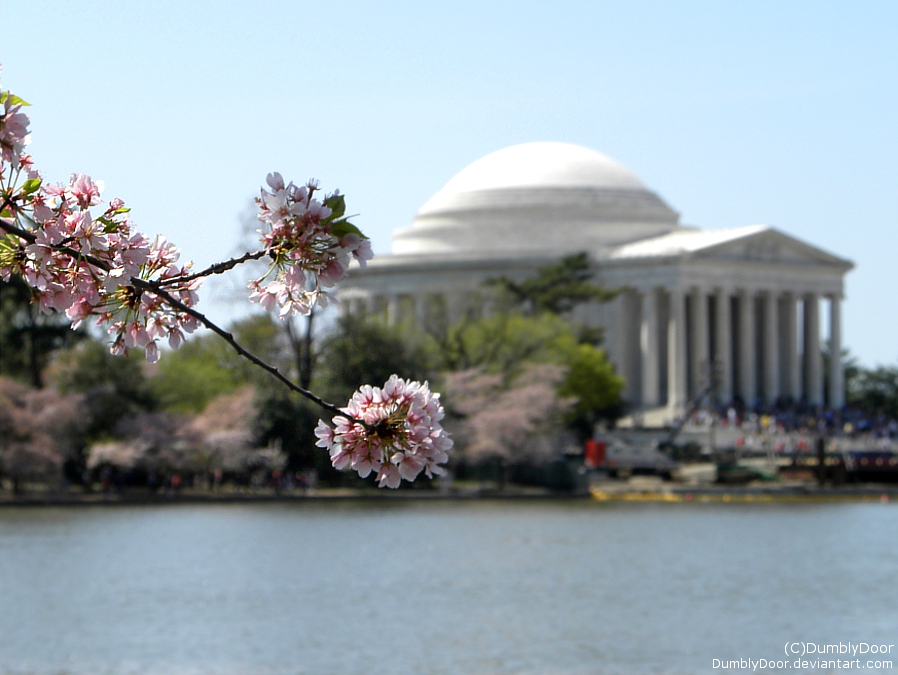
(14, 134)
(397, 433)
(310, 246)
(84, 190)
(389, 476)
(85, 264)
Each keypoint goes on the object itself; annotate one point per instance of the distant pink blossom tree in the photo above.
(39, 430)
(509, 421)
(218, 438)
(224, 434)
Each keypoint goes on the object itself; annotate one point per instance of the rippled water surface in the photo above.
(541, 588)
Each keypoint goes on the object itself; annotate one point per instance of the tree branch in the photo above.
(157, 288)
(217, 268)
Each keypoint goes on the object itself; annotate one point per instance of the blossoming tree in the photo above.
(83, 257)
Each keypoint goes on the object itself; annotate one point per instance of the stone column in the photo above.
(648, 346)
(790, 365)
(748, 386)
(614, 337)
(771, 348)
(813, 361)
(836, 374)
(699, 362)
(724, 345)
(622, 346)
(676, 351)
(421, 309)
(455, 306)
(393, 310)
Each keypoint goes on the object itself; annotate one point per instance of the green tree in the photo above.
(288, 421)
(28, 337)
(262, 335)
(364, 349)
(205, 366)
(114, 387)
(876, 391)
(504, 341)
(186, 380)
(595, 388)
(556, 289)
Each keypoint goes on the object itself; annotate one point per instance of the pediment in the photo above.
(770, 246)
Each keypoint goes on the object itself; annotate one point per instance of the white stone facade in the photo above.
(744, 303)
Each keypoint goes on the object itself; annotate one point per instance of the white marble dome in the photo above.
(536, 198)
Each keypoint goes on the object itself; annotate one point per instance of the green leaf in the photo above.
(108, 225)
(337, 204)
(31, 185)
(341, 228)
(13, 99)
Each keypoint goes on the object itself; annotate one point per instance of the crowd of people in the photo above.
(792, 426)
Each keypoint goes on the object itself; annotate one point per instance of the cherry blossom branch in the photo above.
(156, 288)
(97, 265)
(11, 228)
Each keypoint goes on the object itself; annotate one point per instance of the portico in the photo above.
(740, 342)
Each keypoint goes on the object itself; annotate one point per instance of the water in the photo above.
(452, 587)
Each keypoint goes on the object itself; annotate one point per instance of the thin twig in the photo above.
(11, 228)
(217, 268)
(156, 289)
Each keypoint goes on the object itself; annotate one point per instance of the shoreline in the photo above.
(321, 495)
(604, 491)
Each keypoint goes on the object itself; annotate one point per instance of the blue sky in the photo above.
(734, 113)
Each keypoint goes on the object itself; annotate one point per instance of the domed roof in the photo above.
(534, 165)
(544, 198)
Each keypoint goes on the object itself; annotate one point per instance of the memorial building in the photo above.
(742, 303)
